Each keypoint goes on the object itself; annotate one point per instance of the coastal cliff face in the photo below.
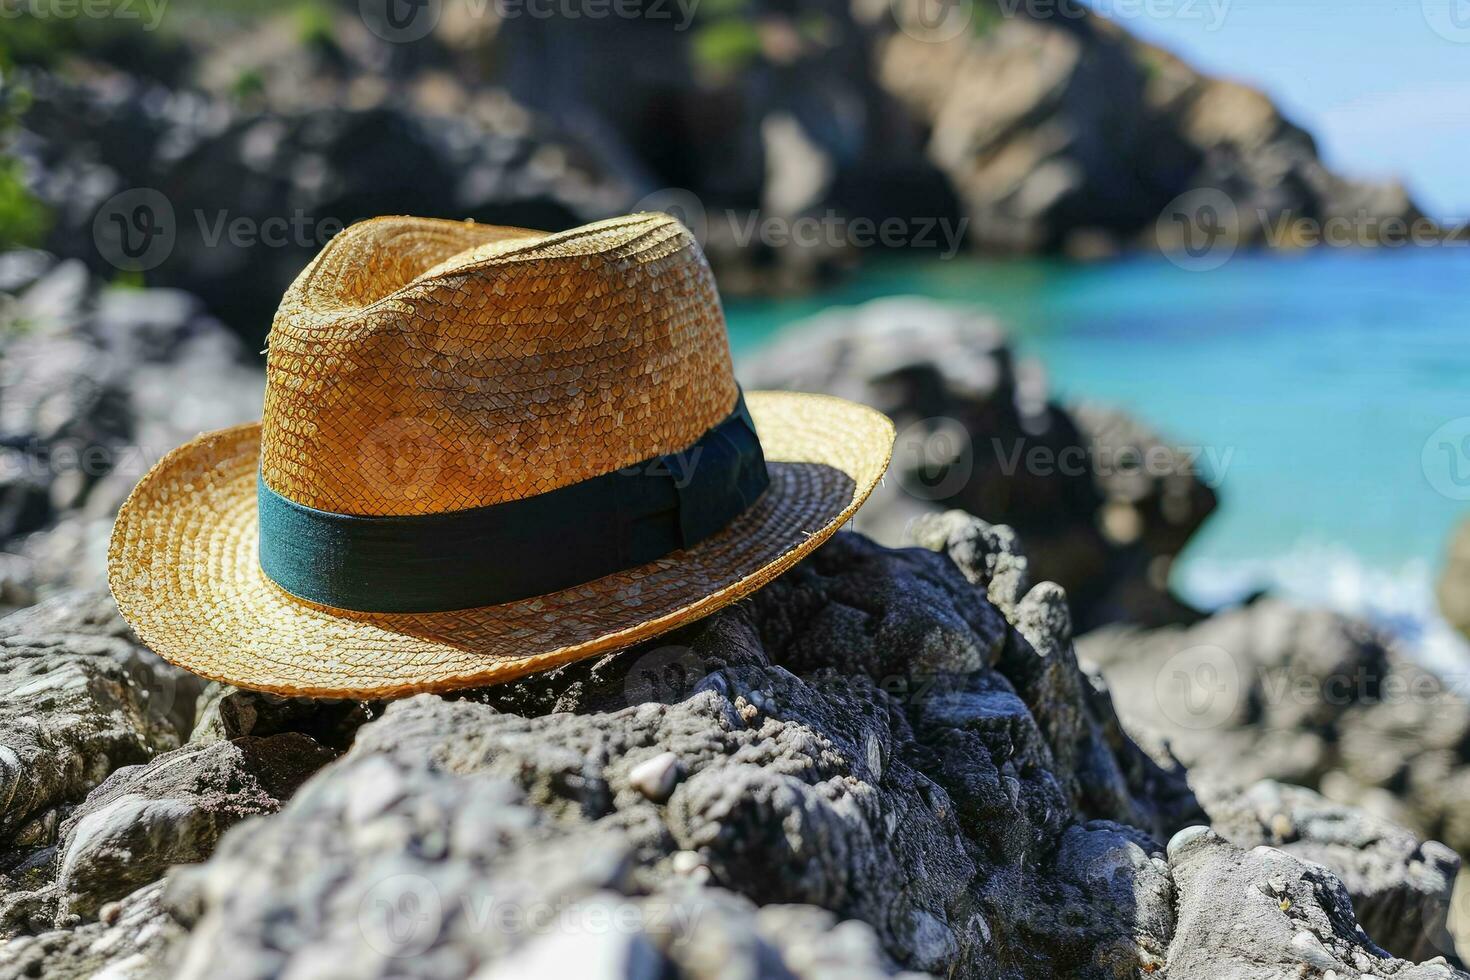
(1068, 134)
(1018, 134)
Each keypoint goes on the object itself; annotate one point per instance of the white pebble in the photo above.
(655, 778)
(1184, 838)
(1309, 948)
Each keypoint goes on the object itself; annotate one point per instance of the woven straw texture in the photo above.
(418, 366)
(422, 366)
(185, 571)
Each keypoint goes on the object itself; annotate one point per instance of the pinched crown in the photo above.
(421, 366)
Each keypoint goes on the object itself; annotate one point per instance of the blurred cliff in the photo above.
(1024, 133)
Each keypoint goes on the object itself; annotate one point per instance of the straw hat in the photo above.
(485, 451)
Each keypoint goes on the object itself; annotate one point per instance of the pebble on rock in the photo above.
(655, 778)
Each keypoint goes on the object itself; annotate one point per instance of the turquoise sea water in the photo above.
(1315, 379)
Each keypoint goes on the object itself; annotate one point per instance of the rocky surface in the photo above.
(96, 383)
(242, 197)
(1019, 132)
(1059, 130)
(1102, 502)
(1453, 589)
(78, 698)
(171, 810)
(1401, 887)
(885, 761)
(1302, 696)
(1248, 913)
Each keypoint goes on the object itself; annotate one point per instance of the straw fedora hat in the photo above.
(485, 451)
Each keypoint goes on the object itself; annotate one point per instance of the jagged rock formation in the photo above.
(1065, 132)
(1304, 696)
(1103, 503)
(883, 761)
(96, 384)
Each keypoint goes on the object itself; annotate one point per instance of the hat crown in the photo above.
(421, 366)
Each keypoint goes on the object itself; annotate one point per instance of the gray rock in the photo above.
(1400, 886)
(879, 769)
(78, 698)
(1273, 691)
(1264, 913)
(127, 942)
(144, 818)
(850, 741)
(1073, 708)
(96, 384)
(978, 430)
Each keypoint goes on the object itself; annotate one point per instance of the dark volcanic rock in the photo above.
(78, 698)
(870, 766)
(1400, 887)
(172, 810)
(881, 761)
(1102, 503)
(96, 384)
(1303, 696)
(246, 198)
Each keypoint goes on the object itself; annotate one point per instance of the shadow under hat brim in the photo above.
(183, 566)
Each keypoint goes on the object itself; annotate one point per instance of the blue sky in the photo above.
(1384, 85)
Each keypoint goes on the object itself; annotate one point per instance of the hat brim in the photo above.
(184, 569)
